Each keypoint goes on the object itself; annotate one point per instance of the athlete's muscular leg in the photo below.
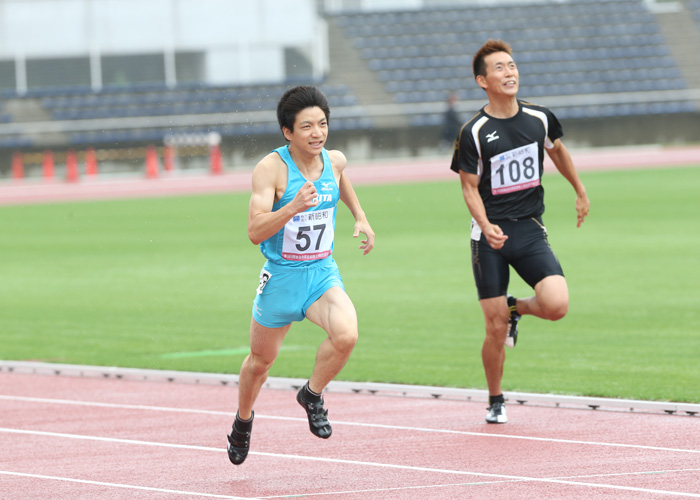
(551, 300)
(265, 344)
(493, 353)
(335, 313)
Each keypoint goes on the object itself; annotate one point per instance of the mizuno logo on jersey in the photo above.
(492, 136)
(327, 186)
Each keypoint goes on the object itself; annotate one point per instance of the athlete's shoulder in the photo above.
(544, 115)
(270, 171)
(527, 105)
(337, 159)
(476, 121)
(469, 124)
(336, 155)
(271, 161)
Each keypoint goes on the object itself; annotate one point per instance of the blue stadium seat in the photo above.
(568, 48)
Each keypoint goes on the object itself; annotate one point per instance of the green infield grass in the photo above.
(168, 283)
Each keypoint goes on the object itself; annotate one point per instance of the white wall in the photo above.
(244, 40)
(339, 6)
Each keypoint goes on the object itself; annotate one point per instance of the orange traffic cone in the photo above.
(72, 174)
(48, 165)
(90, 162)
(168, 158)
(215, 160)
(17, 166)
(151, 162)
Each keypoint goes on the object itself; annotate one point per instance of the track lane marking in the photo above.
(413, 468)
(125, 486)
(356, 424)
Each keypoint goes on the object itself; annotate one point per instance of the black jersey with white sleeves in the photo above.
(508, 156)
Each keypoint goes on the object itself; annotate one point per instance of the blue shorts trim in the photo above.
(285, 293)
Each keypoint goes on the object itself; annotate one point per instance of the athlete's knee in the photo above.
(552, 297)
(343, 329)
(258, 365)
(496, 326)
(556, 309)
(345, 341)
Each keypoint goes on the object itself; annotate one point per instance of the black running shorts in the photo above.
(526, 249)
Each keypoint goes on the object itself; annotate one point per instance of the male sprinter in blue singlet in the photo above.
(499, 156)
(292, 211)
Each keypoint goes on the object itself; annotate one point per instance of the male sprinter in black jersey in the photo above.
(499, 156)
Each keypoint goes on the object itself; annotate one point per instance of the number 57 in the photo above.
(306, 239)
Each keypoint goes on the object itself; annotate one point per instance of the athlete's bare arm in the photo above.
(269, 182)
(348, 196)
(470, 189)
(562, 160)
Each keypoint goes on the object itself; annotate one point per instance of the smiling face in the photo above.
(310, 131)
(501, 75)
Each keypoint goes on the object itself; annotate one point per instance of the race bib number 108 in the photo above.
(309, 235)
(515, 170)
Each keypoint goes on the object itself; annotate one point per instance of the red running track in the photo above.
(396, 171)
(66, 437)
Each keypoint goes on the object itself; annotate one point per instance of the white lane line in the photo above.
(357, 424)
(485, 483)
(115, 405)
(568, 482)
(108, 439)
(358, 463)
(488, 483)
(190, 494)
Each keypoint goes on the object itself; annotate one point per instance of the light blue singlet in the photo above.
(308, 237)
(300, 267)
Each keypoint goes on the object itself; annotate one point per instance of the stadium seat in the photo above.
(588, 47)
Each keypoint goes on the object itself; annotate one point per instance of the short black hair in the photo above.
(296, 99)
(490, 47)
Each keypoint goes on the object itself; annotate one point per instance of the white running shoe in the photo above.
(497, 413)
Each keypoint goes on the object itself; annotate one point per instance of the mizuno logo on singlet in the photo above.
(492, 136)
(327, 186)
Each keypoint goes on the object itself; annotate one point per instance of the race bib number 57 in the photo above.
(309, 235)
(515, 170)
